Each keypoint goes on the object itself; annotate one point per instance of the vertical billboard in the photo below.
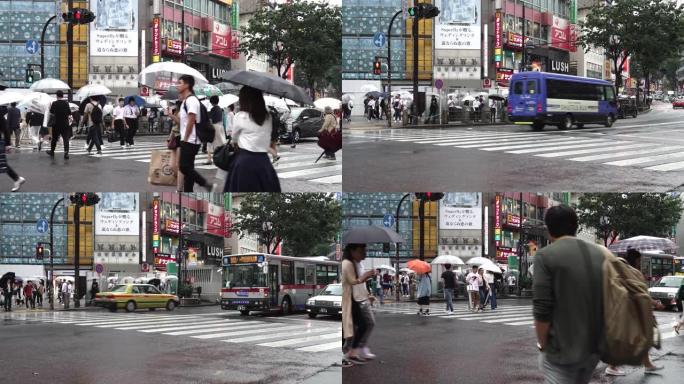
(117, 213)
(114, 32)
(460, 210)
(220, 40)
(156, 40)
(458, 25)
(215, 220)
(560, 33)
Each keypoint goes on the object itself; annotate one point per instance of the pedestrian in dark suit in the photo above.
(61, 127)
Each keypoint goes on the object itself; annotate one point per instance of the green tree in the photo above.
(629, 214)
(302, 221)
(306, 34)
(650, 29)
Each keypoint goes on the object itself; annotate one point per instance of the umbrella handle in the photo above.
(319, 157)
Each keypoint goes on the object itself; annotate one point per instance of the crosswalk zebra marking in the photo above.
(307, 337)
(503, 320)
(648, 159)
(649, 150)
(309, 172)
(595, 143)
(598, 149)
(518, 144)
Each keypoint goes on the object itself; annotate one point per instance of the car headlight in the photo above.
(337, 304)
(310, 302)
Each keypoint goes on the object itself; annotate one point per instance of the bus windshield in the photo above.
(246, 275)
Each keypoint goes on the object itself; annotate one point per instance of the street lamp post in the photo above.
(42, 48)
(396, 271)
(389, 61)
(52, 247)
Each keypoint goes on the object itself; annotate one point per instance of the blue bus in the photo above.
(540, 98)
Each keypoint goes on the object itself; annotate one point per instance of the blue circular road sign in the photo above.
(388, 220)
(42, 226)
(32, 46)
(379, 39)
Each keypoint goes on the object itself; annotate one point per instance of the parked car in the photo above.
(133, 296)
(678, 103)
(666, 289)
(301, 123)
(627, 107)
(327, 302)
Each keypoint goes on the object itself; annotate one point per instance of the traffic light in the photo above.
(78, 16)
(423, 11)
(39, 252)
(377, 67)
(84, 199)
(29, 76)
(429, 196)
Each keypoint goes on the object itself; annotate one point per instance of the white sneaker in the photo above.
(18, 183)
(614, 372)
(123, 147)
(366, 354)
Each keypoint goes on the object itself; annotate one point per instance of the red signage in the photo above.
(215, 220)
(498, 43)
(515, 40)
(156, 40)
(560, 33)
(155, 226)
(161, 260)
(173, 47)
(503, 76)
(235, 45)
(497, 220)
(573, 37)
(220, 40)
(171, 226)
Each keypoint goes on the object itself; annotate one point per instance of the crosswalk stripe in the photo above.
(503, 320)
(667, 167)
(649, 148)
(107, 322)
(225, 327)
(277, 335)
(322, 347)
(171, 325)
(309, 172)
(335, 179)
(263, 329)
(648, 159)
(601, 149)
(523, 143)
(595, 143)
(526, 322)
(303, 340)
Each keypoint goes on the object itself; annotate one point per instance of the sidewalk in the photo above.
(332, 374)
(361, 123)
(671, 357)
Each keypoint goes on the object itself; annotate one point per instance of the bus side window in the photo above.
(531, 87)
(518, 88)
(300, 276)
(600, 91)
(310, 274)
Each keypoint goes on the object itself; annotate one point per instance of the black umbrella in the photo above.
(371, 234)
(496, 97)
(267, 83)
(375, 94)
(5, 278)
(227, 87)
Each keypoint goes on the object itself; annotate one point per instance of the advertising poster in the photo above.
(458, 25)
(117, 214)
(215, 220)
(220, 40)
(114, 32)
(560, 33)
(461, 210)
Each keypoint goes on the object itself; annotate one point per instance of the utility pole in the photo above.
(77, 253)
(421, 217)
(52, 252)
(70, 60)
(42, 48)
(184, 58)
(396, 274)
(521, 248)
(389, 67)
(414, 105)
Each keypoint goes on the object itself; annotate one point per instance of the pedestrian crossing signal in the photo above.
(423, 11)
(40, 251)
(78, 16)
(429, 196)
(84, 199)
(377, 67)
(29, 76)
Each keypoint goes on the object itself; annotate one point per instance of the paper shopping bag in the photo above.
(163, 170)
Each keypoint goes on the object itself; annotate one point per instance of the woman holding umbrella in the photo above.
(252, 170)
(329, 128)
(357, 317)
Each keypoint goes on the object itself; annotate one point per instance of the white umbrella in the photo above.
(9, 97)
(49, 85)
(92, 90)
(328, 102)
(127, 280)
(407, 270)
(347, 97)
(386, 267)
(369, 88)
(491, 267)
(448, 259)
(224, 101)
(468, 98)
(477, 261)
(107, 109)
(167, 72)
(276, 102)
(67, 278)
(112, 279)
(37, 102)
(73, 107)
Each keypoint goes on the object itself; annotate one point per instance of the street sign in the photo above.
(99, 268)
(388, 221)
(42, 225)
(486, 83)
(32, 46)
(439, 83)
(145, 267)
(379, 39)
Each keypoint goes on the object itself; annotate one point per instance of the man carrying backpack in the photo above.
(567, 301)
(194, 128)
(92, 116)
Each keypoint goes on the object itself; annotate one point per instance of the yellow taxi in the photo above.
(133, 296)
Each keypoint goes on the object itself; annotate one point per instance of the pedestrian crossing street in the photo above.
(518, 315)
(293, 164)
(562, 145)
(292, 333)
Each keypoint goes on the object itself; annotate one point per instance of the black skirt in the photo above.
(252, 172)
(425, 300)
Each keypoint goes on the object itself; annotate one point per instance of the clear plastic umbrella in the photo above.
(448, 259)
(328, 102)
(9, 97)
(92, 90)
(161, 75)
(49, 85)
(37, 102)
(208, 90)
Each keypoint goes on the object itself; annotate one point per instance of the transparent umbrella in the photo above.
(49, 85)
(161, 75)
(92, 90)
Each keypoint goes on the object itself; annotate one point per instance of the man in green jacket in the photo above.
(567, 301)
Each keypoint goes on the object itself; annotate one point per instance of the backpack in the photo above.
(203, 128)
(628, 321)
(96, 114)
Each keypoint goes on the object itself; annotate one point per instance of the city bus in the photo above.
(542, 98)
(265, 283)
(679, 266)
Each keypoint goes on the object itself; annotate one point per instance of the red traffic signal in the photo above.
(40, 251)
(83, 199)
(78, 16)
(429, 196)
(377, 67)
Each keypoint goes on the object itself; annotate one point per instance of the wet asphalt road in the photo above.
(43, 352)
(642, 154)
(414, 349)
(127, 170)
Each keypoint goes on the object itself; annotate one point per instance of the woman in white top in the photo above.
(251, 170)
